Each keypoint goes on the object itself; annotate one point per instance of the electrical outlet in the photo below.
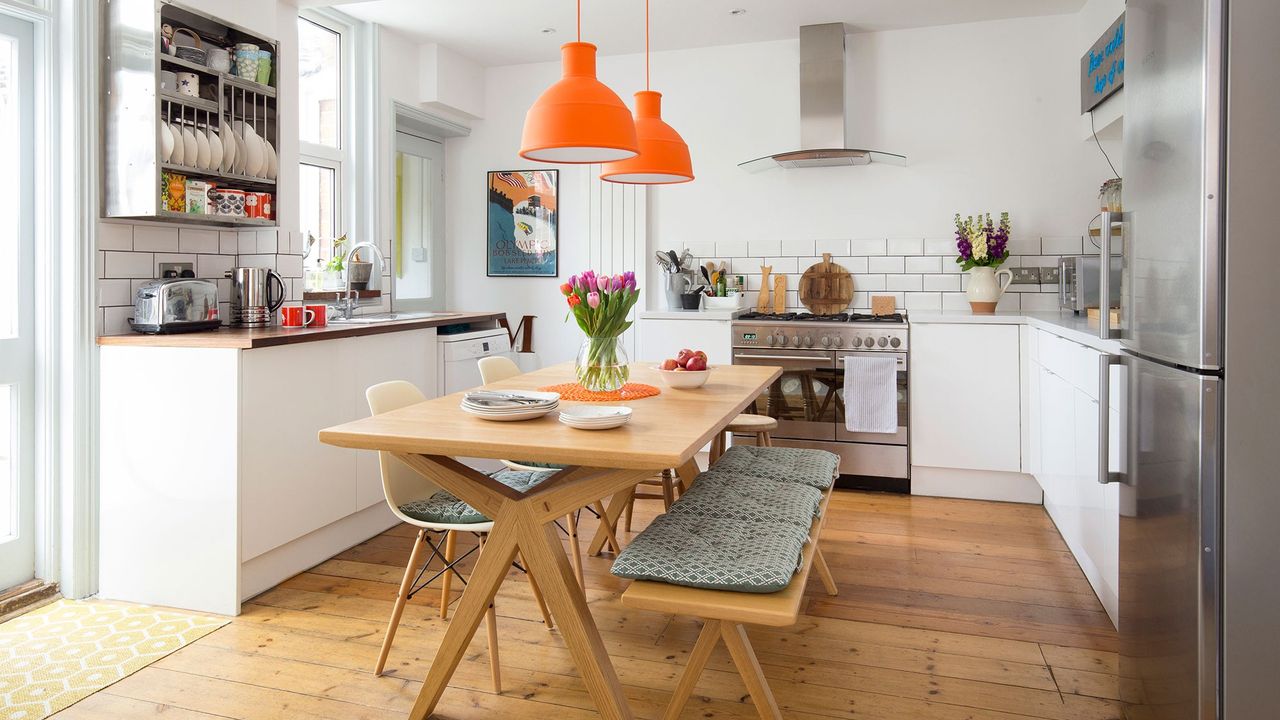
(1049, 275)
(419, 254)
(177, 270)
(1026, 275)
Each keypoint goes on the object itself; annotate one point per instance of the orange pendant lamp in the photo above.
(578, 119)
(664, 156)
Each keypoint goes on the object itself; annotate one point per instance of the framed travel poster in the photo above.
(523, 230)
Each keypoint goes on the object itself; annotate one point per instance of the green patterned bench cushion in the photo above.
(714, 553)
(810, 467)
(446, 509)
(721, 495)
(547, 466)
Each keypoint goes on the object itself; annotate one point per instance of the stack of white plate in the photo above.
(509, 405)
(595, 417)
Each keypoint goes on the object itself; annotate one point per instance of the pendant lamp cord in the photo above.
(646, 44)
(579, 20)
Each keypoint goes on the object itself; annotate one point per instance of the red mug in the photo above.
(320, 315)
(296, 316)
(265, 206)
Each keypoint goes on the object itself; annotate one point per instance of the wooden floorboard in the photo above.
(948, 610)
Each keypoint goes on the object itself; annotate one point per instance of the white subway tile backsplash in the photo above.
(193, 240)
(228, 242)
(852, 264)
(868, 246)
(224, 289)
(297, 242)
(268, 261)
(151, 238)
(248, 242)
(212, 267)
(942, 283)
(923, 301)
(885, 264)
(940, 246)
(870, 282)
(115, 236)
(268, 241)
(796, 248)
(732, 248)
(1036, 302)
(114, 292)
(115, 320)
(127, 265)
(764, 248)
(906, 246)
(1010, 301)
(834, 247)
(923, 264)
(782, 264)
(955, 301)
(289, 266)
(902, 282)
(1024, 244)
(1069, 245)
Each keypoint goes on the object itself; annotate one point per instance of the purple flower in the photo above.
(616, 284)
(630, 284)
(573, 281)
(593, 300)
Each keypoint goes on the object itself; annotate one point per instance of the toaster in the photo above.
(175, 305)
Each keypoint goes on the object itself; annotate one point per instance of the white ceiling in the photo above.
(509, 32)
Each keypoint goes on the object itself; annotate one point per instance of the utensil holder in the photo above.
(676, 285)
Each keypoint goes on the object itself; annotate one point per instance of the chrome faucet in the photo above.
(350, 302)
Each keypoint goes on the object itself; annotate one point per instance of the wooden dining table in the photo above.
(665, 431)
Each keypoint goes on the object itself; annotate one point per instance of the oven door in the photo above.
(898, 438)
(803, 400)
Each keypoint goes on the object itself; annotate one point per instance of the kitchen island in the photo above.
(213, 484)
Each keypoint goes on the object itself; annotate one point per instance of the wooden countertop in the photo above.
(249, 338)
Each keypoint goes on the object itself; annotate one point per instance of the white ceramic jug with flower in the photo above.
(983, 247)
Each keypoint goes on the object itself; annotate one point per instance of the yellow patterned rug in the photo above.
(64, 652)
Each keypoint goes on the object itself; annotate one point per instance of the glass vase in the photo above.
(602, 364)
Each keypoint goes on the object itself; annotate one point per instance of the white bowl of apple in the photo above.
(687, 370)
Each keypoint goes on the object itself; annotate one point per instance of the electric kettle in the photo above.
(256, 294)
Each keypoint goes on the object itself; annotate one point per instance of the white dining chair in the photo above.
(495, 369)
(417, 501)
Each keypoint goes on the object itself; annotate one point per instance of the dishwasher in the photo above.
(460, 354)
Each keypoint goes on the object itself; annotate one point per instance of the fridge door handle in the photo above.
(1109, 220)
(1105, 475)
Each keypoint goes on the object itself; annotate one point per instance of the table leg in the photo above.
(490, 570)
(617, 504)
(688, 472)
(542, 549)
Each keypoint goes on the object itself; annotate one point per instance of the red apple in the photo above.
(696, 364)
(670, 364)
(683, 356)
(679, 369)
(699, 353)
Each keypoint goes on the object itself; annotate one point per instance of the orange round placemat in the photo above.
(574, 391)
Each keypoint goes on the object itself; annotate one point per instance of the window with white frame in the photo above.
(324, 136)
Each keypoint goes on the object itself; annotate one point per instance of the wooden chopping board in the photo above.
(826, 287)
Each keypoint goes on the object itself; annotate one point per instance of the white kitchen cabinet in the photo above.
(660, 338)
(214, 486)
(965, 397)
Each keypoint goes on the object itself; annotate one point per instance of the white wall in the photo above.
(987, 113)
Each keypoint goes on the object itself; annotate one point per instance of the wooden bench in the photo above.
(725, 613)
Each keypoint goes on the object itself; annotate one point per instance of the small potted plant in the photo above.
(983, 247)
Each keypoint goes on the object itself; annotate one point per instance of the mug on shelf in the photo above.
(295, 315)
(252, 208)
(320, 315)
(264, 67)
(168, 81)
(188, 84)
(220, 59)
(247, 61)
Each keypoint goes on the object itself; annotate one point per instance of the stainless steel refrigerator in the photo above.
(1199, 492)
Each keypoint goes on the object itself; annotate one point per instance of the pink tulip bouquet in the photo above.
(600, 304)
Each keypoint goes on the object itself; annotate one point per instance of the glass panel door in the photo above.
(17, 300)
(417, 248)
(804, 399)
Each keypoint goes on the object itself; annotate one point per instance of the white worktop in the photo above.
(722, 315)
(1077, 328)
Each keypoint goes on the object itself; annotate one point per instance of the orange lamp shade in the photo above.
(578, 119)
(664, 156)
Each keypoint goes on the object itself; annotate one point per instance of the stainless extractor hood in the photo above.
(822, 111)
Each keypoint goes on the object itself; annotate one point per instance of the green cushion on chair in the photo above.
(548, 466)
(446, 509)
(714, 553)
(798, 465)
(721, 495)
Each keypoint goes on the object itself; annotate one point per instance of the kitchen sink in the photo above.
(387, 317)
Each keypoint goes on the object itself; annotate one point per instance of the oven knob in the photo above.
(770, 340)
(795, 340)
(826, 341)
(808, 341)
(857, 342)
(882, 342)
(895, 342)
(839, 340)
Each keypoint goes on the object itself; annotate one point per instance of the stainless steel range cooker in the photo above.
(807, 400)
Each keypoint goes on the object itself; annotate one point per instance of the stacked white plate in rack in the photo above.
(595, 417)
(509, 405)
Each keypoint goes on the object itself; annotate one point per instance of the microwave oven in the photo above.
(1080, 280)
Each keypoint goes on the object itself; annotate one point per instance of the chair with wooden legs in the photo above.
(747, 423)
(496, 369)
(417, 501)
